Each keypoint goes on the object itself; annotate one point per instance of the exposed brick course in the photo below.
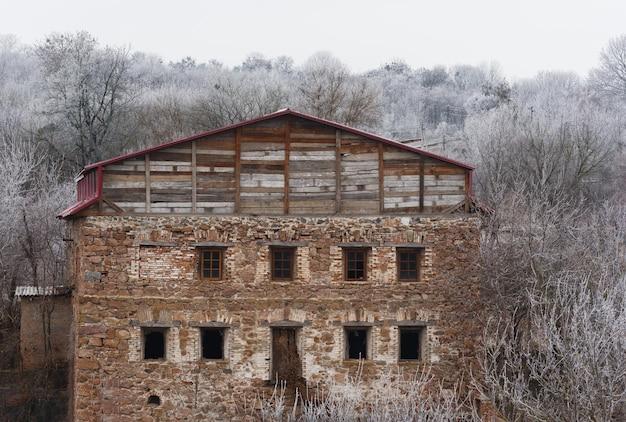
(158, 283)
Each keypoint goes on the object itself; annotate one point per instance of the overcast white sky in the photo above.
(524, 37)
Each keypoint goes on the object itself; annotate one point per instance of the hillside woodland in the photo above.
(551, 173)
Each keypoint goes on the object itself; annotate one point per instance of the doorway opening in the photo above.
(286, 362)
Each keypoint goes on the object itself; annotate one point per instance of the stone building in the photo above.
(45, 320)
(281, 248)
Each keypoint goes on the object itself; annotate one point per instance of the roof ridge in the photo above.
(277, 113)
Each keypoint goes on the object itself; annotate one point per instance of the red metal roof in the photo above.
(77, 207)
(93, 197)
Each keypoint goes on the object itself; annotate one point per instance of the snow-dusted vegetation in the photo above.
(550, 164)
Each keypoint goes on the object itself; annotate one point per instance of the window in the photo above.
(154, 343)
(211, 261)
(411, 342)
(408, 263)
(283, 263)
(212, 340)
(357, 340)
(355, 264)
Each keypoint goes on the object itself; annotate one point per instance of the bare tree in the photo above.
(236, 97)
(610, 77)
(569, 363)
(546, 146)
(328, 90)
(87, 90)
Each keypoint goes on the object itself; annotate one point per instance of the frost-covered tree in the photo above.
(328, 90)
(609, 78)
(87, 90)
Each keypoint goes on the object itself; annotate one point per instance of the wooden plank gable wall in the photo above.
(286, 165)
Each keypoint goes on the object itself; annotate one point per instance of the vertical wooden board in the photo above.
(421, 191)
(286, 170)
(147, 183)
(193, 178)
(237, 170)
(381, 178)
(337, 171)
(468, 190)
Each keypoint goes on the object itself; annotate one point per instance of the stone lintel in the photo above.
(156, 243)
(411, 323)
(278, 243)
(389, 322)
(209, 324)
(407, 245)
(360, 323)
(285, 324)
(358, 245)
(154, 324)
(211, 245)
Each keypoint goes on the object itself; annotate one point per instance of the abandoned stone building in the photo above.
(285, 247)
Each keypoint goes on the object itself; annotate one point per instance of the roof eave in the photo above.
(76, 208)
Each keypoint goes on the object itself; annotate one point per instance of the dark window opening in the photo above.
(283, 263)
(355, 264)
(211, 263)
(408, 262)
(154, 400)
(212, 343)
(154, 343)
(410, 343)
(356, 347)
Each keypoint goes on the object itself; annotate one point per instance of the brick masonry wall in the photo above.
(122, 284)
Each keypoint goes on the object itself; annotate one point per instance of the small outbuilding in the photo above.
(45, 323)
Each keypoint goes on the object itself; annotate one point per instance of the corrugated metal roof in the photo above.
(23, 291)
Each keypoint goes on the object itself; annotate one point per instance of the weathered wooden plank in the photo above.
(337, 171)
(421, 190)
(325, 167)
(260, 157)
(286, 169)
(211, 184)
(381, 179)
(203, 169)
(147, 182)
(216, 143)
(237, 168)
(313, 146)
(194, 181)
(468, 190)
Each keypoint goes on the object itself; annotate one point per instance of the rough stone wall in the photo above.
(32, 340)
(123, 284)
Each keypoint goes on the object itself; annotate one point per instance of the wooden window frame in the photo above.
(201, 268)
(421, 342)
(293, 254)
(366, 253)
(418, 252)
